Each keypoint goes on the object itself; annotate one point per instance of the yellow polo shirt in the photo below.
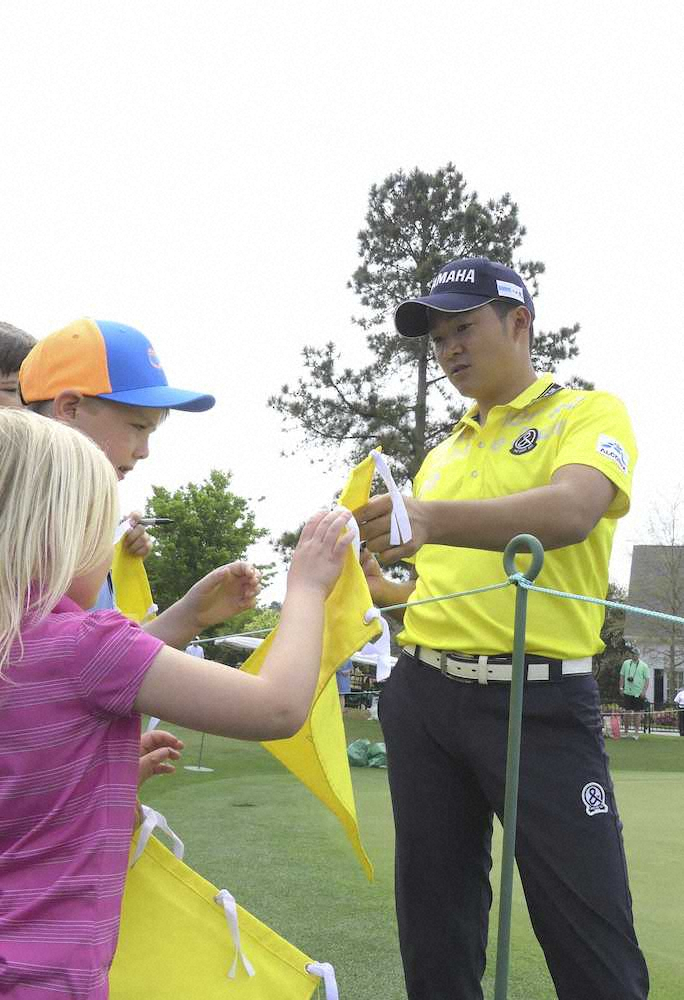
(520, 447)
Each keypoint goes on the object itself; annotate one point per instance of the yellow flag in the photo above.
(317, 754)
(190, 950)
(132, 594)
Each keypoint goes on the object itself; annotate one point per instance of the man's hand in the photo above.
(374, 520)
(375, 578)
(137, 541)
(221, 594)
(157, 750)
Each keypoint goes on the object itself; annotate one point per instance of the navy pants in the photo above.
(446, 745)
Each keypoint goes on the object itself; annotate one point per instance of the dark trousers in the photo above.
(446, 746)
(680, 721)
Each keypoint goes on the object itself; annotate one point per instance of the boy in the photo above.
(105, 379)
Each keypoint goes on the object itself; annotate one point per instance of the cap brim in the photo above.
(162, 397)
(410, 317)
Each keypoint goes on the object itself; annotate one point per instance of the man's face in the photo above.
(9, 389)
(474, 350)
(121, 431)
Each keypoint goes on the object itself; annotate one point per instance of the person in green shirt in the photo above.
(634, 675)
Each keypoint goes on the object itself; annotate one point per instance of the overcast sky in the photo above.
(200, 170)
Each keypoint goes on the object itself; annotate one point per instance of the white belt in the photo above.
(484, 669)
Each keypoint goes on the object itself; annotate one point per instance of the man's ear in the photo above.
(67, 404)
(522, 319)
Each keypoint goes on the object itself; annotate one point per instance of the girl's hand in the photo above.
(157, 751)
(319, 556)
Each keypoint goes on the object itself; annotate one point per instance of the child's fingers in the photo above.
(309, 529)
(244, 570)
(330, 529)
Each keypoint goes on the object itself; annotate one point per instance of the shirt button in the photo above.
(474, 474)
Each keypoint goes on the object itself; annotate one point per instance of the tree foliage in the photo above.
(607, 664)
(211, 526)
(415, 223)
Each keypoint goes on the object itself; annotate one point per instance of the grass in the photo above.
(251, 827)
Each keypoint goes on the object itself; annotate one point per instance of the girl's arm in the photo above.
(273, 705)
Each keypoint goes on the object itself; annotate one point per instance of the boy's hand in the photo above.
(137, 541)
(319, 556)
(157, 750)
(221, 594)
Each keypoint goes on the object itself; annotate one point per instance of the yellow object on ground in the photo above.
(317, 754)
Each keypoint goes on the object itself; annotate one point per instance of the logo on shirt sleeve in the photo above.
(613, 450)
(526, 442)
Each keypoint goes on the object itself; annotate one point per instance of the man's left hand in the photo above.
(137, 542)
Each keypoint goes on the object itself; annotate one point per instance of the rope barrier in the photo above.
(515, 579)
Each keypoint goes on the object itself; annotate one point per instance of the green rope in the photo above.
(448, 597)
(519, 580)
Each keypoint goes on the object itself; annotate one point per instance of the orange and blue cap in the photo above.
(103, 359)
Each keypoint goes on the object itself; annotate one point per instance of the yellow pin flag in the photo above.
(317, 754)
(132, 594)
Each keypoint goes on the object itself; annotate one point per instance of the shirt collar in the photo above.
(529, 395)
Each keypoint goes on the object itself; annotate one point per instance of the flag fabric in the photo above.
(132, 594)
(317, 754)
(181, 936)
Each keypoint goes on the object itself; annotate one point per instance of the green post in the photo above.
(521, 543)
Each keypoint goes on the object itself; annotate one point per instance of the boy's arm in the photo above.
(218, 596)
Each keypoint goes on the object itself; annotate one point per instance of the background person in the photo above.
(343, 678)
(528, 456)
(634, 675)
(15, 344)
(73, 684)
(679, 702)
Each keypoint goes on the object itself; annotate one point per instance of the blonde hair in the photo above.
(58, 514)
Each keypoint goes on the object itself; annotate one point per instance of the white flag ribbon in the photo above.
(381, 646)
(327, 974)
(152, 820)
(227, 901)
(400, 526)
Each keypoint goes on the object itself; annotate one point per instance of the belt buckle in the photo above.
(443, 664)
(443, 657)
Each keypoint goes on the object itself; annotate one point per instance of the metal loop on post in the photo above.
(524, 543)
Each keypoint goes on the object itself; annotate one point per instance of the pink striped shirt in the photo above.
(69, 749)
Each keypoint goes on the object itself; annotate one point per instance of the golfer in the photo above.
(528, 456)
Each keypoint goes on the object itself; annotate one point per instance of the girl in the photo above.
(73, 685)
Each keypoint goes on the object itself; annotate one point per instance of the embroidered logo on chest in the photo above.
(526, 442)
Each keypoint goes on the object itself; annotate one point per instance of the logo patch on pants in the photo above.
(594, 798)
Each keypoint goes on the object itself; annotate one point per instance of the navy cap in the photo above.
(462, 284)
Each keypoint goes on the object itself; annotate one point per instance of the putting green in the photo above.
(249, 826)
